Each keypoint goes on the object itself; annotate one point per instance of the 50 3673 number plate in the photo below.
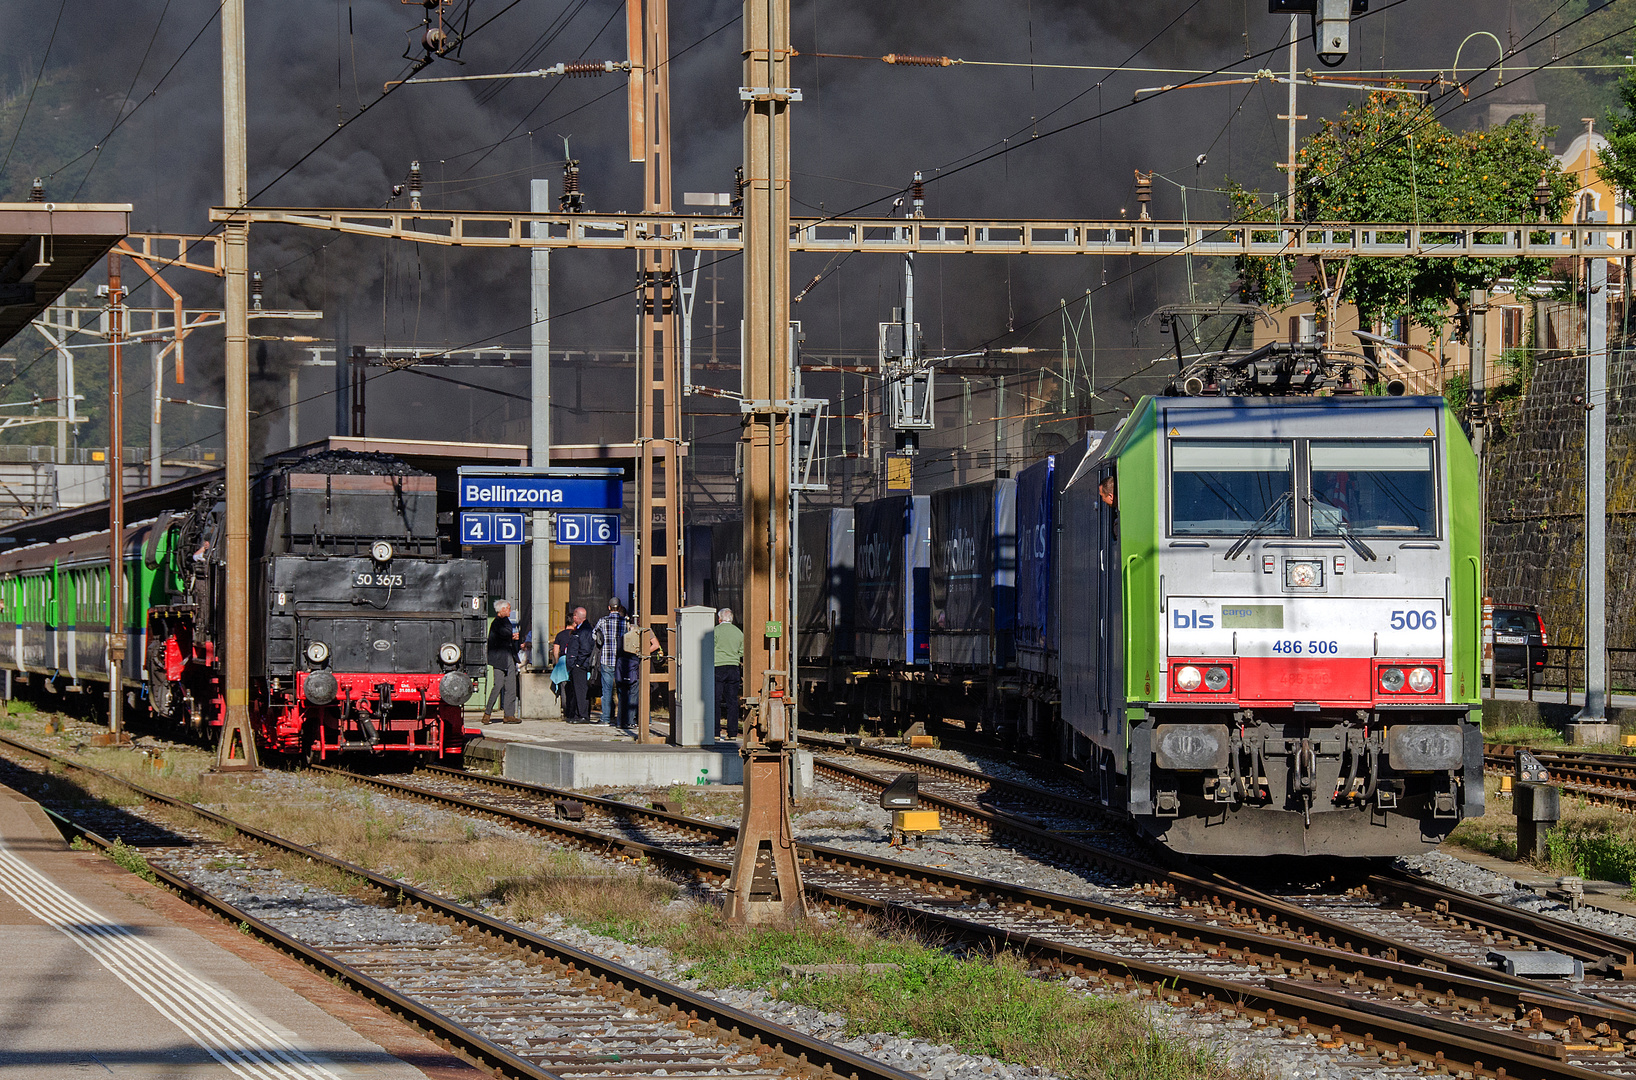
(364, 579)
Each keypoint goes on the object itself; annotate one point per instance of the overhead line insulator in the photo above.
(911, 60)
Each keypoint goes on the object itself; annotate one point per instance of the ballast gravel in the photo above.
(1459, 874)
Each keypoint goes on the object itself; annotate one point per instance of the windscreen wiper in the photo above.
(1261, 525)
(1364, 551)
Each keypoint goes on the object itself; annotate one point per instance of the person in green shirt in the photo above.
(729, 664)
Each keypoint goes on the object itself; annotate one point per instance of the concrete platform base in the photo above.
(535, 699)
(602, 764)
(1587, 734)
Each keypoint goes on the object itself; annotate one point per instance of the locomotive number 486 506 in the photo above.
(1313, 648)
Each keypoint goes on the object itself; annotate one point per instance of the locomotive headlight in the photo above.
(1421, 680)
(1188, 678)
(380, 551)
(317, 652)
(1216, 679)
(449, 654)
(1303, 573)
(1391, 680)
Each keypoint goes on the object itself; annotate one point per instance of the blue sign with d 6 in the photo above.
(587, 529)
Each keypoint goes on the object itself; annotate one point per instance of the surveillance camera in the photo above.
(1331, 23)
(1200, 160)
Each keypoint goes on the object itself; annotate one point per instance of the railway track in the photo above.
(1603, 779)
(1389, 1011)
(1456, 922)
(1255, 966)
(509, 1000)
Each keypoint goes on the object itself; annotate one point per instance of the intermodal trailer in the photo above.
(974, 575)
(1039, 590)
(825, 590)
(892, 562)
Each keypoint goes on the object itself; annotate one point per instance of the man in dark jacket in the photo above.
(503, 659)
(582, 657)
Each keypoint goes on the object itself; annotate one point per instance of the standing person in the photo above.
(503, 659)
(610, 637)
(559, 652)
(729, 641)
(581, 652)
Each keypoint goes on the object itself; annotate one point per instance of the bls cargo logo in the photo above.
(1192, 620)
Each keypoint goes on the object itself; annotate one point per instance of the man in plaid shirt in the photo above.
(609, 636)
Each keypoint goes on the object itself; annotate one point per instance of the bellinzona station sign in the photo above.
(530, 489)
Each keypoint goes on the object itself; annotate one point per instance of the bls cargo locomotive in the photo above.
(1255, 619)
(365, 636)
(1269, 623)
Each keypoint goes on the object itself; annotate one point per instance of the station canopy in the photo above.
(45, 248)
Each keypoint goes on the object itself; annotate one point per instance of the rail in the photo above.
(801, 1053)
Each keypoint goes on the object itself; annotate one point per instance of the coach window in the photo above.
(1375, 488)
(1224, 488)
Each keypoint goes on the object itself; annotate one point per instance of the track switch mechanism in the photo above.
(902, 797)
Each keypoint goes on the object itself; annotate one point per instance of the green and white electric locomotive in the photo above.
(1278, 648)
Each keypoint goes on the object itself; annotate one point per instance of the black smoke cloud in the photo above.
(862, 130)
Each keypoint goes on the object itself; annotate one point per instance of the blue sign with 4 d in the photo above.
(587, 529)
(491, 528)
(543, 492)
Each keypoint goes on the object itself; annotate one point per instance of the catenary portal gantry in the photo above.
(966, 236)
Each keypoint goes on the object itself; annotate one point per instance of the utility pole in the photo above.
(116, 505)
(237, 750)
(540, 616)
(658, 364)
(766, 880)
(1596, 491)
(1478, 411)
(1292, 117)
(155, 437)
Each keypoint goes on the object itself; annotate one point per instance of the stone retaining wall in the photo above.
(1536, 500)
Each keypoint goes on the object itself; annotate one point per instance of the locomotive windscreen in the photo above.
(1225, 488)
(1373, 488)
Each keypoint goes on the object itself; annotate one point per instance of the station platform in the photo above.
(578, 756)
(107, 975)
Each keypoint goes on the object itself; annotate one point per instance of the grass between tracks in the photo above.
(979, 1003)
(1591, 841)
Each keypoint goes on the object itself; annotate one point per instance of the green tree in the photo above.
(1618, 157)
(1388, 159)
